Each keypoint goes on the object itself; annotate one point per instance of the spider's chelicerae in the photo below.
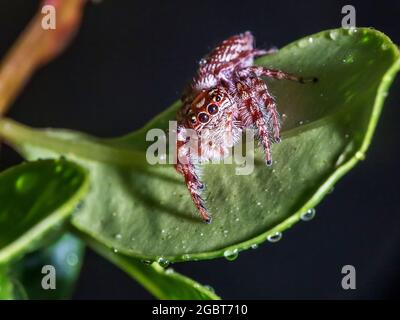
(226, 96)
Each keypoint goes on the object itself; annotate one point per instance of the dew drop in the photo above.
(169, 271)
(237, 219)
(333, 35)
(301, 123)
(209, 288)
(231, 254)
(275, 237)
(225, 233)
(348, 59)
(186, 257)
(254, 246)
(115, 250)
(384, 46)
(308, 215)
(259, 203)
(118, 236)
(201, 234)
(310, 40)
(352, 31)
(162, 231)
(303, 43)
(163, 262)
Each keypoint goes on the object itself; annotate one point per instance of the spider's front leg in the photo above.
(253, 108)
(258, 71)
(186, 166)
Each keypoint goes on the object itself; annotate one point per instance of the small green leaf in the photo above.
(35, 198)
(6, 286)
(65, 255)
(164, 283)
(10, 288)
(145, 211)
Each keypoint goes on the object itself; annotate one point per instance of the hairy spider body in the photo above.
(226, 96)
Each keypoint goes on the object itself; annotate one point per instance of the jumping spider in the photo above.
(226, 96)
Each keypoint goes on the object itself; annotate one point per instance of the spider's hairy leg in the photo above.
(261, 52)
(258, 71)
(195, 187)
(270, 105)
(259, 121)
(186, 166)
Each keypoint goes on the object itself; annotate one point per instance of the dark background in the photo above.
(131, 59)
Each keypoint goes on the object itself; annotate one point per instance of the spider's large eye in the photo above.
(212, 109)
(203, 117)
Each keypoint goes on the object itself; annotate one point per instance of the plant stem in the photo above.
(36, 47)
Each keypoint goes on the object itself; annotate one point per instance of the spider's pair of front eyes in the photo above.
(204, 117)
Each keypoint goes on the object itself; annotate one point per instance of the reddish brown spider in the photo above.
(226, 96)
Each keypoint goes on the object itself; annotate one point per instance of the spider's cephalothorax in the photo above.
(226, 96)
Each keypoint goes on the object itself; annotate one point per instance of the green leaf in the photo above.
(65, 255)
(145, 211)
(6, 286)
(10, 288)
(35, 198)
(165, 284)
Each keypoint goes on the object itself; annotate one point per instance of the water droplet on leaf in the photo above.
(163, 262)
(384, 46)
(303, 43)
(333, 35)
(308, 215)
(275, 237)
(231, 254)
(169, 271)
(209, 288)
(348, 59)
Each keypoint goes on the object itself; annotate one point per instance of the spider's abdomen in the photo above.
(235, 52)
